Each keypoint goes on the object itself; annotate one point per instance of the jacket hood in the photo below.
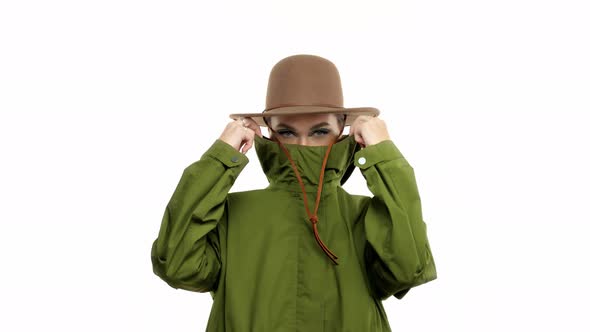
(308, 159)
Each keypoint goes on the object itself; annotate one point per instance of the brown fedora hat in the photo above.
(305, 84)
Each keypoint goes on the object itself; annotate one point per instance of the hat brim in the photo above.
(351, 113)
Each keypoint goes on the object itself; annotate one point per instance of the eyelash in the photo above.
(289, 133)
(322, 131)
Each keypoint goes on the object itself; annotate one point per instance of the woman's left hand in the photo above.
(369, 130)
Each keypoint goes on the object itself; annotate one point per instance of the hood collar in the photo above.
(318, 167)
(280, 174)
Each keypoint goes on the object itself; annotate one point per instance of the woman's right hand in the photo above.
(240, 134)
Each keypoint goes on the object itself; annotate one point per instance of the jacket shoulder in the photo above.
(353, 205)
(254, 196)
(247, 193)
(352, 198)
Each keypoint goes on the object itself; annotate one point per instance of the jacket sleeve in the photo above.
(187, 252)
(397, 252)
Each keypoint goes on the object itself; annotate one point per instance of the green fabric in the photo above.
(255, 251)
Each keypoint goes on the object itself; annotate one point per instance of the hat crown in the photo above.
(304, 80)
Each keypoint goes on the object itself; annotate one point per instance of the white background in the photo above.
(103, 104)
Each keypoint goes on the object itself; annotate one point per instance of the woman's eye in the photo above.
(320, 132)
(286, 133)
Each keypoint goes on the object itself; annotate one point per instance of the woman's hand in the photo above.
(369, 130)
(240, 134)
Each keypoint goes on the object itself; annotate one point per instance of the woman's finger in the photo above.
(356, 132)
(251, 124)
(248, 140)
(359, 139)
(234, 134)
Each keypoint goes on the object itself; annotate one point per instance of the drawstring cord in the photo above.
(313, 217)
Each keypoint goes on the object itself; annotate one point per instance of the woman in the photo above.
(301, 254)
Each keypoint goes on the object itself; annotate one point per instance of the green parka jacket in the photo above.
(255, 251)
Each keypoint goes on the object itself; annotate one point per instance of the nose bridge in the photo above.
(302, 140)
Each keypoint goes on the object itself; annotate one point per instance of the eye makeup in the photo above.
(319, 129)
(313, 132)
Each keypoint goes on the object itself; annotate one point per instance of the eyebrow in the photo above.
(321, 124)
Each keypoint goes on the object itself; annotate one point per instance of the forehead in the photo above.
(304, 119)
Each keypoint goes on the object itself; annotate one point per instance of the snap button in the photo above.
(362, 160)
(234, 159)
